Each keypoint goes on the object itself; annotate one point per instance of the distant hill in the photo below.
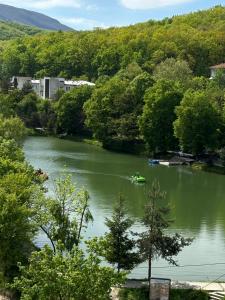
(10, 30)
(27, 17)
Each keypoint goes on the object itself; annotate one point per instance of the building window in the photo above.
(47, 95)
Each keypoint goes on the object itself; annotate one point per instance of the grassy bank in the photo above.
(83, 140)
(33, 132)
(208, 168)
(175, 294)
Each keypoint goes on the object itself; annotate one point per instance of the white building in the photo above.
(47, 87)
(215, 69)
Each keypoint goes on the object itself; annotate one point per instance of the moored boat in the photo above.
(153, 162)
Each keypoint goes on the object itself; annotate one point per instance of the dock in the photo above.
(171, 163)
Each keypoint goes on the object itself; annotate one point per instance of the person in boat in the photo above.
(42, 174)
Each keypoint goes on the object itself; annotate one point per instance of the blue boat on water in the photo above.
(153, 162)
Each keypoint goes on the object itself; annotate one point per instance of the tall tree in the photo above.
(155, 242)
(64, 216)
(69, 109)
(12, 128)
(156, 122)
(120, 246)
(199, 123)
(175, 70)
(113, 110)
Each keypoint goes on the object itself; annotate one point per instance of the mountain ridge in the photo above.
(14, 14)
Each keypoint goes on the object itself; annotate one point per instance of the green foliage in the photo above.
(9, 30)
(70, 115)
(6, 105)
(134, 294)
(73, 276)
(175, 294)
(219, 79)
(119, 247)
(9, 149)
(16, 233)
(183, 294)
(47, 115)
(193, 38)
(174, 70)
(222, 156)
(114, 108)
(122, 62)
(199, 123)
(64, 216)
(154, 242)
(17, 229)
(27, 109)
(12, 128)
(156, 122)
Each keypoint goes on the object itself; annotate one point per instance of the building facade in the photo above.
(47, 87)
(214, 69)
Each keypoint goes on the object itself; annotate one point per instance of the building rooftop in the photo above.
(78, 82)
(36, 81)
(220, 66)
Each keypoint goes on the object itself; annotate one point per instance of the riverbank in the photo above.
(82, 139)
(137, 151)
(75, 138)
(199, 166)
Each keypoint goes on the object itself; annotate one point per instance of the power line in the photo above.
(183, 266)
(192, 275)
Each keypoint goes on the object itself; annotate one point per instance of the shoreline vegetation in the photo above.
(152, 84)
(61, 267)
(153, 94)
(175, 294)
(196, 166)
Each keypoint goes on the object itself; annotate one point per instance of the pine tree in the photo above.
(120, 247)
(154, 242)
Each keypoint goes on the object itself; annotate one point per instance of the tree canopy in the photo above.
(199, 123)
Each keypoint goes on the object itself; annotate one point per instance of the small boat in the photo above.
(137, 178)
(171, 163)
(153, 162)
(43, 176)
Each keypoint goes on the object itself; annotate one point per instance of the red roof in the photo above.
(220, 66)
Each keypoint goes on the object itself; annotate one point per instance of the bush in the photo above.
(175, 294)
(133, 294)
(180, 294)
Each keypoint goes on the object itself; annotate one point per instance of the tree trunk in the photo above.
(149, 275)
(150, 270)
(81, 224)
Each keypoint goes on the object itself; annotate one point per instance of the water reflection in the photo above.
(197, 198)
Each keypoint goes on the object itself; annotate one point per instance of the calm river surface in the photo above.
(197, 200)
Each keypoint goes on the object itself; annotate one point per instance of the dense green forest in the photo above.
(9, 30)
(197, 38)
(152, 83)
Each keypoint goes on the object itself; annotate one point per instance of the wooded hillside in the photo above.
(10, 30)
(197, 38)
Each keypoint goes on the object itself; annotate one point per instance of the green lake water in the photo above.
(197, 200)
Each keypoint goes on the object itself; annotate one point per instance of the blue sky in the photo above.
(87, 14)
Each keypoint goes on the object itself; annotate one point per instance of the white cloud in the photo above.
(44, 4)
(82, 23)
(92, 7)
(147, 4)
